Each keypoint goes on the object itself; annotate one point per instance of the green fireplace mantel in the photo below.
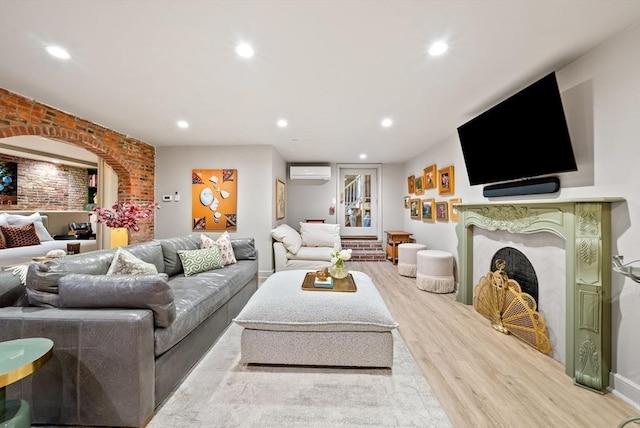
(585, 225)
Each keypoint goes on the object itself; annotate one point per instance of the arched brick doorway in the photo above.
(131, 159)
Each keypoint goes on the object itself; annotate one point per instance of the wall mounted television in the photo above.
(524, 136)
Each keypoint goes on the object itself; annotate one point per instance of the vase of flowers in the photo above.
(338, 257)
(122, 218)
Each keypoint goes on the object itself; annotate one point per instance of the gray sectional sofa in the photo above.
(121, 343)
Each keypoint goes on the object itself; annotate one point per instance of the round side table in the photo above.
(18, 359)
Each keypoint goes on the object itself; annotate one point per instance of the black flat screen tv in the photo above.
(524, 136)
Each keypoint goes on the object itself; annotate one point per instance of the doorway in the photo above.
(358, 207)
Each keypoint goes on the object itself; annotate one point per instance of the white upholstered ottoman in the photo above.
(435, 271)
(407, 255)
(284, 324)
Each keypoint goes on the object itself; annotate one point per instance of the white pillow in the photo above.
(289, 237)
(320, 234)
(36, 219)
(125, 263)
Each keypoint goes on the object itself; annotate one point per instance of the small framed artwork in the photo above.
(428, 210)
(280, 199)
(442, 211)
(406, 202)
(446, 181)
(414, 208)
(411, 184)
(419, 187)
(429, 177)
(453, 211)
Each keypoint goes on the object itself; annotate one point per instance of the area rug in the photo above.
(220, 392)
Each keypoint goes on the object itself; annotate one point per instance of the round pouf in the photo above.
(407, 253)
(435, 271)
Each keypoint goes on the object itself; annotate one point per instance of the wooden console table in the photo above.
(395, 238)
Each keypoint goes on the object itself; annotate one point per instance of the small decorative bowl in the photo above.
(322, 274)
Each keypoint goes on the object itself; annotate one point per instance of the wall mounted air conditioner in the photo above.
(308, 172)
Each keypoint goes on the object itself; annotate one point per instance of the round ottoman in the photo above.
(407, 253)
(435, 271)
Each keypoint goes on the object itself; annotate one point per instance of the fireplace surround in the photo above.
(585, 225)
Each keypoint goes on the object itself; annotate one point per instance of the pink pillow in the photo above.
(226, 249)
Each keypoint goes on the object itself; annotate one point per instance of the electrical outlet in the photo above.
(166, 198)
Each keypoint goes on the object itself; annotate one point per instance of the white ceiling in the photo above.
(333, 69)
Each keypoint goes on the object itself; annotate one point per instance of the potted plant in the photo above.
(122, 218)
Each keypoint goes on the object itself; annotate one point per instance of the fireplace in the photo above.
(584, 226)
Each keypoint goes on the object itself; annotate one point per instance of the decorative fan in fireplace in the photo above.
(501, 300)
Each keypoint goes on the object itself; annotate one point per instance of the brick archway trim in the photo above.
(132, 159)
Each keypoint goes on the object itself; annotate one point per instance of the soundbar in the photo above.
(532, 186)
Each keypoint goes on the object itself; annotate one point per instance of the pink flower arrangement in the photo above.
(125, 214)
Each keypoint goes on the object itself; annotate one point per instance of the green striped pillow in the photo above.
(196, 261)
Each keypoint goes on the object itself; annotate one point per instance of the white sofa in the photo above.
(17, 255)
(310, 249)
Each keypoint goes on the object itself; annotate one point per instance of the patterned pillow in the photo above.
(202, 260)
(206, 241)
(125, 263)
(20, 236)
(226, 249)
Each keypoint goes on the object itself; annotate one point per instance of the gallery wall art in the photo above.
(214, 199)
(8, 183)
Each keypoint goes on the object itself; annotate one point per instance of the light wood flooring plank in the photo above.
(481, 377)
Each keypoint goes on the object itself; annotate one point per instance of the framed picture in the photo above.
(406, 202)
(280, 199)
(429, 177)
(428, 210)
(414, 208)
(411, 184)
(453, 211)
(419, 188)
(214, 199)
(446, 181)
(442, 211)
(8, 183)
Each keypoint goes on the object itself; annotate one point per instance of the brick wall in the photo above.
(47, 186)
(131, 159)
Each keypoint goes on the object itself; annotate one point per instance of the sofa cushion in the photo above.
(288, 236)
(312, 253)
(201, 260)
(320, 234)
(36, 219)
(125, 263)
(119, 291)
(170, 247)
(244, 248)
(20, 236)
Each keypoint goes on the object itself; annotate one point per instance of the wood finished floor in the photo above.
(481, 377)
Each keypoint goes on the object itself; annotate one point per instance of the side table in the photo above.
(395, 238)
(18, 359)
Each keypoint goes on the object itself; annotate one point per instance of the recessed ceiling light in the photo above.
(438, 48)
(58, 52)
(386, 122)
(245, 50)
(363, 156)
(183, 124)
(282, 123)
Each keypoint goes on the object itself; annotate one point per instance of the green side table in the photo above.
(18, 359)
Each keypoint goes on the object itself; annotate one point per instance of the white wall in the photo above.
(601, 96)
(256, 191)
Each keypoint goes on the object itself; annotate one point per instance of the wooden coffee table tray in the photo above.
(346, 284)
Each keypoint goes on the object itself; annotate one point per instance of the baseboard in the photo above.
(625, 389)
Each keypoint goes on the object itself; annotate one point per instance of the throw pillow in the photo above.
(226, 249)
(320, 234)
(36, 219)
(125, 263)
(3, 222)
(202, 260)
(206, 242)
(289, 237)
(20, 236)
